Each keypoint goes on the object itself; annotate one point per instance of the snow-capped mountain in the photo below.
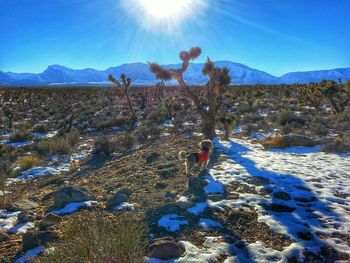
(140, 74)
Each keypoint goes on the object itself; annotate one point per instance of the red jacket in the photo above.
(202, 156)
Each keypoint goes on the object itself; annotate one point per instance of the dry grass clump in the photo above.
(99, 238)
(5, 173)
(41, 128)
(60, 144)
(339, 144)
(287, 141)
(127, 141)
(27, 162)
(274, 142)
(104, 145)
(19, 136)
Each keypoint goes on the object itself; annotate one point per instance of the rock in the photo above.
(3, 237)
(216, 197)
(305, 200)
(52, 219)
(70, 194)
(305, 235)
(165, 248)
(168, 173)
(184, 203)
(278, 208)
(196, 184)
(241, 244)
(282, 195)
(160, 185)
(24, 217)
(125, 191)
(304, 188)
(171, 194)
(258, 180)
(151, 158)
(32, 240)
(115, 200)
(24, 204)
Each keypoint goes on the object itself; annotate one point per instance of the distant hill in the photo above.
(140, 74)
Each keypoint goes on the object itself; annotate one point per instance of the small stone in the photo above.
(153, 157)
(115, 200)
(125, 191)
(232, 196)
(165, 248)
(184, 203)
(160, 185)
(258, 180)
(282, 195)
(241, 244)
(305, 235)
(170, 194)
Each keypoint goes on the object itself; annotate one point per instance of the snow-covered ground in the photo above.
(315, 186)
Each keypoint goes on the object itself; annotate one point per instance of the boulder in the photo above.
(70, 194)
(165, 248)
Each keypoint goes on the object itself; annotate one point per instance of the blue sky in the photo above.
(270, 35)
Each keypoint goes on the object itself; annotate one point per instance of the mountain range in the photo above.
(140, 75)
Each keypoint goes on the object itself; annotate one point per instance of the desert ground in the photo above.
(86, 179)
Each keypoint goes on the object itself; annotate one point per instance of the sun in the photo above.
(165, 9)
(164, 15)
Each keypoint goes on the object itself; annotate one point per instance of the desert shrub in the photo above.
(41, 128)
(339, 144)
(228, 122)
(287, 141)
(99, 238)
(342, 117)
(287, 117)
(319, 128)
(158, 116)
(103, 145)
(27, 162)
(127, 140)
(19, 136)
(5, 173)
(116, 122)
(245, 107)
(60, 144)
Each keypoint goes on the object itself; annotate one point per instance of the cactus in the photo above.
(218, 79)
(228, 121)
(122, 90)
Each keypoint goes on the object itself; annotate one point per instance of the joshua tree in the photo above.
(228, 122)
(122, 89)
(218, 79)
(337, 93)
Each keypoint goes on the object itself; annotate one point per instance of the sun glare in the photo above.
(160, 9)
(164, 15)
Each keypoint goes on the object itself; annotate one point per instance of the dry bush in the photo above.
(27, 162)
(288, 117)
(104, 145)
(19, 136)
(106, 124)
(61, 144)
(287, 141)
(274, 142)
(99, 238)
(41, 128)
(5, 173)
(127, 141)
(339, 144)
(157, 116)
